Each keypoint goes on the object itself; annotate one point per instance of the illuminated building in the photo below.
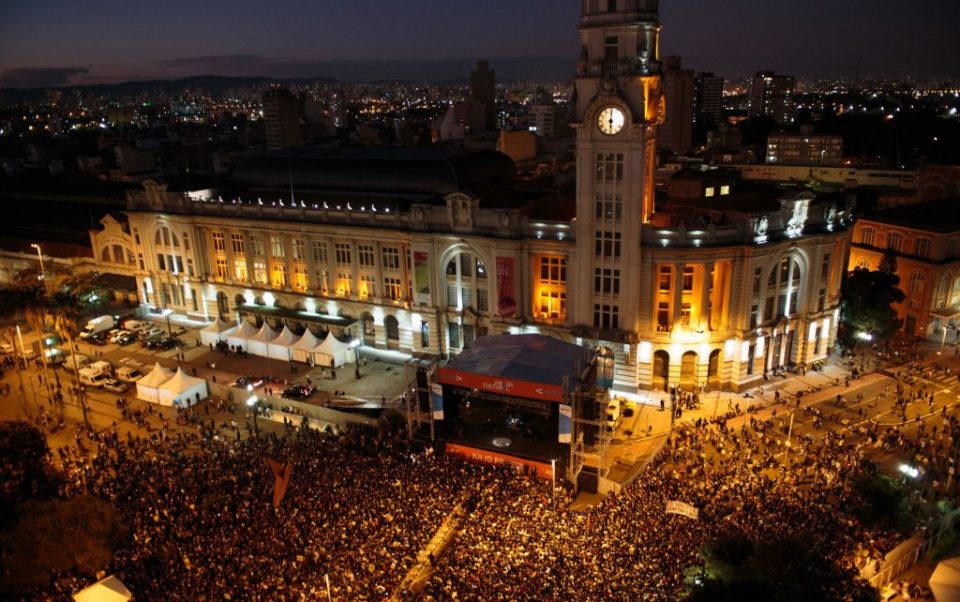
(281, 118)
(676, 133)
(771, 95)
(805, 149)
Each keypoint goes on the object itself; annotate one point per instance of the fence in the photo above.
(910, 552)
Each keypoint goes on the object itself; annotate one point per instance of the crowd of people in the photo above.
(360, 507)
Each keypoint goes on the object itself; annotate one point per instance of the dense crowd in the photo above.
(361, 507)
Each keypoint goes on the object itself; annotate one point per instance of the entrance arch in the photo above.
(688, 370)
(368, 329)
(661, 370)
(393, 332)
(713, 369)
(223, 304)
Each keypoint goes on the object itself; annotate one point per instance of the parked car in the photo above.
(126, 339)
(115, 335)
(298, 392)
(167, 343)
(245, 381)
(115, 386)
(150, 333)
(99, 338)
(129, 375)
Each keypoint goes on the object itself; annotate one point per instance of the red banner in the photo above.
(482, 456)
(506, 303)
(501, 385)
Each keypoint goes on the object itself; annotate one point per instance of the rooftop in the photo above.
(934, 216)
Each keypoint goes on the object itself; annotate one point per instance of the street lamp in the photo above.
(254, 402)
(553, 482)
(943, 340)
(166, 313)
(356, 350)
(43, 271)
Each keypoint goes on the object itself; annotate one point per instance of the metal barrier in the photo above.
(912, 551)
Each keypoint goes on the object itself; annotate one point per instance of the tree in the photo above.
(888, 263)
(55, 536)
(880, 501)
(866, 304)
(25, 472)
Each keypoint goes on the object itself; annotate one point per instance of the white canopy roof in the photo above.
(110, 589)
(181, 382)
(286, 337)
(246, 331)
(945, 580)
(265, 335)
(331, 345)
(308, 342)
(156, 377)
(219, 326)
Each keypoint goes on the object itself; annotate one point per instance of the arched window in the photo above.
(467, 282)
(921, 246)
(943, 291)
(118, 254)
(105, 255)
(863, 263)
(392, 327)
(916, 284)
(783, 289)
(866, 236)
(895, 241)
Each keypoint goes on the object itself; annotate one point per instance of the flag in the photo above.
(281, 478)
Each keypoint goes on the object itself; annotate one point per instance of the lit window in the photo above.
(724, 190)
(710, 191)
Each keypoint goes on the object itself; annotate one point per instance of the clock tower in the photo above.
(617, 107)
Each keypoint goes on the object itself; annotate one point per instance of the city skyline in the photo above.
(59, 43)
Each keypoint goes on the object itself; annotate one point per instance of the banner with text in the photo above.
(506, 303)
(500, 385)
(421, 276)
(683, 509)
(436, 401)
(566, 419)
(482, 456)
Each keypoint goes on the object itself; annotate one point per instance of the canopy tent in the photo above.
(110, 589)
(257, 344)
(183, 390)
(148, 387)
(239, 336)
(945, 580)
(333, 353)
(303, 349)
(218, 331)
(279, 348)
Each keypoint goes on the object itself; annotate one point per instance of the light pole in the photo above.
(166, 313)
(553, 483)
(43, 271)
(356, 350)
(254, 402)
(943, 340)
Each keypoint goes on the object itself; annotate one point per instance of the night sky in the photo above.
(52, 42)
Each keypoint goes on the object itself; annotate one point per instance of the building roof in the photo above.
(934, 216)
(433, 171)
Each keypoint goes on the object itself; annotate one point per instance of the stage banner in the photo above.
(683, 509)
(421, 276)
(566, 416)
(436, 401)
(506, 303)
(482, 456)
(499, 385)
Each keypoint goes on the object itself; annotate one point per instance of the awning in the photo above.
(293, 314)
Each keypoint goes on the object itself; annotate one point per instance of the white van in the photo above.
(99, 324)
(92, 379)
(128, 374)
(101, 367)
(76, 361)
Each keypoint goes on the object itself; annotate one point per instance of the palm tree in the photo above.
(65, 306)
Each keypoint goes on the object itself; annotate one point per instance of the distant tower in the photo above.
(618, 107)
(772, 95)
(483, 89)
(281, 117)
(708, 97)
(677, 132)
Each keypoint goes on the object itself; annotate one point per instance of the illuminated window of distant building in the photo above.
(922, 247)
(342, 252)
(916, 283)
(277, 249)
(344, 284)
(221, 269)
(279, 275)
(724, 190)
(894, 241)
(391, 288)
(300, 277)
(260, 272)
(368, 286)
(323, 280)
(866, 236)
(664, 280)
(365, 255)
(710, 191)
(319, 251)
(688, 278)
(240, 270)
(299, 249)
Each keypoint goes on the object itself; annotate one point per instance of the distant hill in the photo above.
(449, 71)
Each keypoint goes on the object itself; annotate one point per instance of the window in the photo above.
(685, 313)
(300, 277)
(365, 255)
(894, 241)
(342, 252)
(821, 299)
(368, 286)
(757, 276)
(218, 244)
(609, 206)
(709, 192)
(754, 316)
(866, 236)
(162, 262)
(240, 270)
(299, 249)
(609, 167)
(259, 272)
(483, 303)
(256, 243)
(606, 317)
(236, 242)
(136, 237)
(606, 281)
(553, 270)
(663, 316)
(863, 263)
(319, 251)
(922, 247)
(390, 257)
(916, 283)
(688, 278)
(279, 275)
(664, 279)
(607, 244)
(186, 247)
(344, 284)
(724, 190)
(277, 249)
(611, 45)
(190, 271)
(143, 266)
(825, 268)
(424, 334)
(391, 288)
(221, 268)
(323, 280)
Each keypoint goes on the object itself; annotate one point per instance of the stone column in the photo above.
(677, 293)
(705, 285)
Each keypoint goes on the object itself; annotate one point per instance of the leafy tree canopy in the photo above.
(25, 472)
(866, 304)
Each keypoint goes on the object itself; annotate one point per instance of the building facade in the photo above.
(805, 149)
(281, 118)
(926, 241)
(771, 95)
(424, 250)
(708, 97)
(676, 133)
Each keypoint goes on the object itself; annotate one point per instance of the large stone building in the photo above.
(425, 250)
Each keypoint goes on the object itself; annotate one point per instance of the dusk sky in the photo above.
(53, 42)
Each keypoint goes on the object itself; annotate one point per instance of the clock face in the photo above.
(611, 120)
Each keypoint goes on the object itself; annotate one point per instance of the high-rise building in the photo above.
(772, 95)
(281, 118)
(547, 118)
(676, 134)
(708, 97)
(483, 89)
(805, 148)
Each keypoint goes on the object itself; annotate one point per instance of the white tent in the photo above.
(218, 331)
(945, 580)
(110, 589)
(279, 348)
(240, 336)
(257, 344)
(304, 347)
(183, 390)
(148, 387)
(333, 353)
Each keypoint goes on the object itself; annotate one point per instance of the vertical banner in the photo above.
(566, 416)
(436, 401)
(506, 304)
(421, 276)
